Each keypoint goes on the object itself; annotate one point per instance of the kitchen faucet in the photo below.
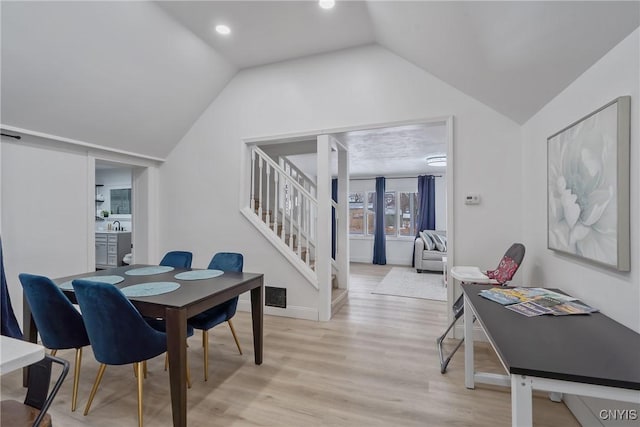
(114, 225)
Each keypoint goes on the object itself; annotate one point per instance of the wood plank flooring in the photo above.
(374, 364)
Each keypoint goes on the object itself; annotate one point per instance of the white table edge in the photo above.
(16, 354)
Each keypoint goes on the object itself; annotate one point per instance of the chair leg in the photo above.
(235, 337)
(166, 361)
(205, 344)
(76, 379)
(53, 352)
(144, 368)
(139, 366)
(95, 387)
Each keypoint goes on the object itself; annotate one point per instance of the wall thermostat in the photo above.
(472, 199)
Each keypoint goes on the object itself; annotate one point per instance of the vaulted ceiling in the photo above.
(134, 76)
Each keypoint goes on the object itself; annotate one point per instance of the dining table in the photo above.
(190, 298)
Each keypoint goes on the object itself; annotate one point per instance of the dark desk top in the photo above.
(592, 349)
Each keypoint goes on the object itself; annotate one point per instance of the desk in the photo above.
(193, 297)
(16, 354)
(587, 355)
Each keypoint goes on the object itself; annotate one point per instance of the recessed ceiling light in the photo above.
(223, 29)
(437, 160)
(327, 4)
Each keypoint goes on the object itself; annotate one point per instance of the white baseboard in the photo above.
(297, 312)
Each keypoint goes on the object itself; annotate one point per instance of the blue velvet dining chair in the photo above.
(118, 333)
(225, 261)
(177, 259)
(59, 323)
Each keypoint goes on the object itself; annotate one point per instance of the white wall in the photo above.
(399, 249)
(616, 294)
(200, 185)
(45, 219)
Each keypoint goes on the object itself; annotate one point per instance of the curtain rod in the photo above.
(391, 177)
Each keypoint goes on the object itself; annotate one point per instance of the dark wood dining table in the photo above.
(191, 298)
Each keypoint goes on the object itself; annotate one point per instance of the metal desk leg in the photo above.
(521, 401)
(469, 368)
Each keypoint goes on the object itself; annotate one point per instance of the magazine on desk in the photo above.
(536, 301)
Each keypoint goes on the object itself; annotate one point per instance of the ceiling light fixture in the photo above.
(437, 160)
(223, 29)
(327, 4)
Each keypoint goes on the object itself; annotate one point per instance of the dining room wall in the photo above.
(200, 182)
(45, 219)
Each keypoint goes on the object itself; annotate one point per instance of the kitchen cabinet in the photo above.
(111, 247)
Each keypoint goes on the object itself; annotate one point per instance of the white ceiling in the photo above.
(134, 76)
(513, 56)
(270, 31)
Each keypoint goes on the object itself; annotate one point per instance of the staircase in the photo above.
(285, 211)
(283, 206)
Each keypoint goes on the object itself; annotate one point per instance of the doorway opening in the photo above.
(114, 214)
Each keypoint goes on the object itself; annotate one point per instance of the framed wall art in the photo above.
(588, 187)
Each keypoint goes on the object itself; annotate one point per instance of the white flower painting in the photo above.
(583, 188)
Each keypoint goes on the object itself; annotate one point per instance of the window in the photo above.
(371, 213)
(400, 213)
(390, 213)
(356, 213)
(408, 214)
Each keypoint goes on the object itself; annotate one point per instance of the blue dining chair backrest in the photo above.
(177, 259)
(118, 333)
(225, 261)
(59, 323)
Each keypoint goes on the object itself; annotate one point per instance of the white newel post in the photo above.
(342, 213)
(323, 248)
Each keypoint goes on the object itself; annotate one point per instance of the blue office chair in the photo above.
(225, 261)
(59, 323)
(177, 259)
(118, 333)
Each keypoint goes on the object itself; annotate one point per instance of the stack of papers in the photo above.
(536, 301)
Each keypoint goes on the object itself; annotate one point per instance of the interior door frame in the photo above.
(144, 195)
(448, 121)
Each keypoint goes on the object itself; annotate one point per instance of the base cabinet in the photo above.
(111, 248)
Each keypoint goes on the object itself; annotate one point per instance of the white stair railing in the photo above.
(300, 177)
(282, 203)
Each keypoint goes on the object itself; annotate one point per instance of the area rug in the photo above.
(405, 282)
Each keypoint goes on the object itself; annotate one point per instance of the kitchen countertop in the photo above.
(112, 231)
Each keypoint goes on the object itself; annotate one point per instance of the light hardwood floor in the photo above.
(374, 364)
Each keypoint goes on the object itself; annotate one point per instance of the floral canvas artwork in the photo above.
(585, 212)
